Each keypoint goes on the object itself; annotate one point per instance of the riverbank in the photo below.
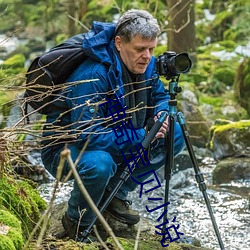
(229, 202)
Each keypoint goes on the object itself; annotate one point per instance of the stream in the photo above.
(230, 204)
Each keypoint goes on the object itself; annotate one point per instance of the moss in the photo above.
(16, 61)
(13, 239)
(242, 84)
(9, 219)
(220, 131)
(225, 75)
(214, 101)
(235, 125)
(6, 243)
(128, 244)
(16, 237)
(21, 199)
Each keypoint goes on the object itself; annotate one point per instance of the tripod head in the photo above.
(174, 89)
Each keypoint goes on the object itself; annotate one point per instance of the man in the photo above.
(120, 67)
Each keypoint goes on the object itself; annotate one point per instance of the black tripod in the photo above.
(169, 163)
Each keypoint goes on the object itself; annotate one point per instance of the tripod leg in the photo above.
(124, 176)
(199, 176)
(169, 163)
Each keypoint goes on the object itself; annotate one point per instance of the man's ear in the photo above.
(118, 43)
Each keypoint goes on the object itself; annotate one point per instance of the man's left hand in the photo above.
(164, 128)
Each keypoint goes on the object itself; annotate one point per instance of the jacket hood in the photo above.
(98, 43)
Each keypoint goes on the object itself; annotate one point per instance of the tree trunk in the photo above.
(71, 6)
(83, 7)
(181, 27)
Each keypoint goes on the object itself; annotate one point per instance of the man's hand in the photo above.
(164, 128)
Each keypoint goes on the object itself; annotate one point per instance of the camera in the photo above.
(171, 65)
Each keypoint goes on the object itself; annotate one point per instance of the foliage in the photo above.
(242, 84)
(22, 200)
(13, 238)
(228, 23)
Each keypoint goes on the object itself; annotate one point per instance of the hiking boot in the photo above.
(75, 231)
(120, 210)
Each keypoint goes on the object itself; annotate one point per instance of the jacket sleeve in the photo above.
(88, 117)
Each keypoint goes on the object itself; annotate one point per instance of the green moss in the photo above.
(228, 45)
(212, 100)
(9, 219)
(235, 125)
(16, 61)
(16, 237)
(13, 239)
(225, 75)
(22, 200)
(6, 243)
(239, 128)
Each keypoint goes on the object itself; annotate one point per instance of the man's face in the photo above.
(137, 53)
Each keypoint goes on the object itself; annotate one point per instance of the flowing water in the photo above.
(230, 204)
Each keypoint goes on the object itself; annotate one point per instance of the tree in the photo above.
(181, 27)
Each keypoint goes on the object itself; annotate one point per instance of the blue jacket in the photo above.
(87, 118)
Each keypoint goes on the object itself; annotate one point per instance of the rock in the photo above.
(181, 179)
(232, 139)
(197, 125)
(231, 169)
(126, 235)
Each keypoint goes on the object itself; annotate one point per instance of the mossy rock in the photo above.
(16, 61)
(232, 139)
(13, 70)
(219, 107)
(22, 200)
(128, 244)
(11, 237)
(224, 75)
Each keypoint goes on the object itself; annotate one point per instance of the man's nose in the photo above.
(146, 54)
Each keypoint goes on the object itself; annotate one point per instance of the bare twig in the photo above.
(99, 238)
(77, 21)
(66, 154)
(46, 216)
(137, 236)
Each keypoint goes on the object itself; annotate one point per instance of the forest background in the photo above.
(214, 33)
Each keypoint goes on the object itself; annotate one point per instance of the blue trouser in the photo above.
(100, 170)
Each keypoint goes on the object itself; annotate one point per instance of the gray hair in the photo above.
(137, 22)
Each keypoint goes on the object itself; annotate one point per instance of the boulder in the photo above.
(197, 125)
(231, 139)
(231, 169)
(126, 235)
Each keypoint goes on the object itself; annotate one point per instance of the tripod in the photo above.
(173, 90)
(173, 114)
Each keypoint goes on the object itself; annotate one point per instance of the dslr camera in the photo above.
(171, 65)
